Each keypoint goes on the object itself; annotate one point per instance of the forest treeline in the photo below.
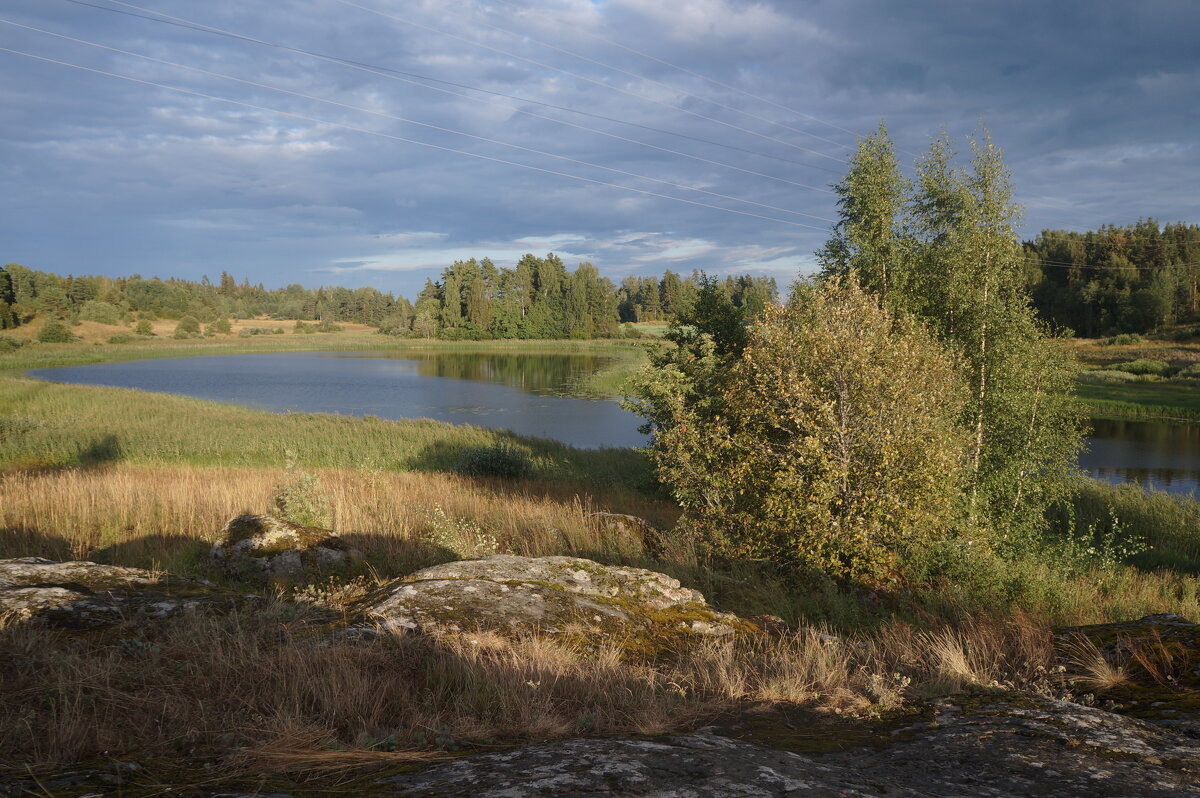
(538, 298)
(1118, 279)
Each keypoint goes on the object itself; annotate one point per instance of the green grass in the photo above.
(1150, 401)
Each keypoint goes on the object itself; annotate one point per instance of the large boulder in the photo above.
(999, 746)
(84, 595)
(263, 546)
(552, 595)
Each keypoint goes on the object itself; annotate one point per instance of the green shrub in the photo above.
(1107, 377)
(121, 338)
(188, 327)
(55, 332)
(143, 327)
(102, 312)
(221, 326)
(1143, 366)
(10, 344)
(1124, 339)
(328, 326)
(498, 460)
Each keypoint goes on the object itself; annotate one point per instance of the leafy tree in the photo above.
(98, 311)
(188, 327)
(8, 298)
(833, 444)
(144, 327)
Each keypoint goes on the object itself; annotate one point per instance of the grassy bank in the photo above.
(1164, 400)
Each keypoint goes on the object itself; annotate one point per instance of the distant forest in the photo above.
(1136, 278)
(538, 298)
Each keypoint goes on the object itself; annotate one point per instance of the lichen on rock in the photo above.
(566, 596)
(264, 546)
(83, 595)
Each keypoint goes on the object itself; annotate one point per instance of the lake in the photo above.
(534, 395)
(538, 395)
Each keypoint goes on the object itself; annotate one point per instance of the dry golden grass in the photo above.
(145, 516)
(258, 690)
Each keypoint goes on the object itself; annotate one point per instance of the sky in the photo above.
(374, 142)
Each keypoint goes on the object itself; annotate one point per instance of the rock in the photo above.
(621, 527)
(256, 546)
(1159, 658)
(84, 595)
(997, 746)
(555, 595)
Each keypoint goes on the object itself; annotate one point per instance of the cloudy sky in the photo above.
(637, 134)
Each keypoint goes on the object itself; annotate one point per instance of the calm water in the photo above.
(528, 394)
(1166, 456)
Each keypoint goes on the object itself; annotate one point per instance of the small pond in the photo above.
(534, 395)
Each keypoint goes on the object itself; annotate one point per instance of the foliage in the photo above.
(188, 327)
(1144, 366)
(221, 326)
(498, 460)
(300, 498)
(1124, 339)
(9, 343)
(957, 267)
(1133, 278)
(55, 332)
(121, 338)
(143, 327)
(98, 311)
(821, 452)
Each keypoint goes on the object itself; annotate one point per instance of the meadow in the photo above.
(148, 480)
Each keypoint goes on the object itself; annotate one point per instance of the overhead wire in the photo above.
(638, 76)
(708, 78)
(412, 121)
(404, 77)
(578, 76)
(380, 134)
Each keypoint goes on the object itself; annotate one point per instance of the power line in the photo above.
(712, 80)
(411, 121)
(394, 74)
(605, 65)
(393, 137)
(585, 78)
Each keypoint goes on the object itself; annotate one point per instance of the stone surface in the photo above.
(83, 595)
(1159, 657)
(998, 746)
(618, 527)
(256, 546)
(554, 595)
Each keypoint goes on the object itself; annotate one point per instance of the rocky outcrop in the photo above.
(1148, 668)
(263, 546)
(619, 528)
(991, 746)
(84, 595)
(553, 595)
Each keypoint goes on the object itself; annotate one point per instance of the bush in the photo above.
(498, 460)
(1142, 366)
(819, 453)
(221, 326)
(328, 326)
(121, 338)
(188, 327)
(55, 332)
(1124, 339)
(143, 327)
(10, 344)
(102, 312)
(1107, 377)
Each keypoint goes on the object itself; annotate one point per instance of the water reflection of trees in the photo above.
(547, 375)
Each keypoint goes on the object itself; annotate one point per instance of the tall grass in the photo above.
(1165, 524)
(48, 425)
